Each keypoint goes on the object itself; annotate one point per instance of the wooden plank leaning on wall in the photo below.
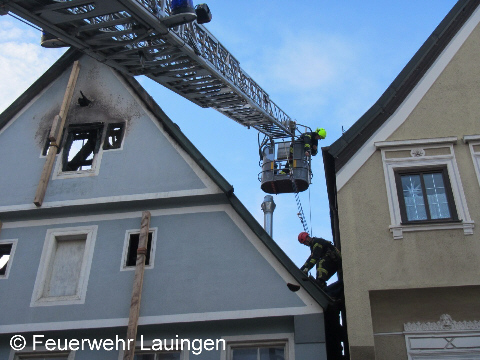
(129, 353)
(55, 135)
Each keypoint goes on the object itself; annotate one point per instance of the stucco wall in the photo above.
(372, 259)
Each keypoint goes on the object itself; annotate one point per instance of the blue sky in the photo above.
(323, 62)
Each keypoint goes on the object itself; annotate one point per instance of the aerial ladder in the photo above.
(173, 48)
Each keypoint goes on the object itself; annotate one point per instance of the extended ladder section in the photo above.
(132, 37)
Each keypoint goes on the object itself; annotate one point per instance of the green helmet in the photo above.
(321, 132)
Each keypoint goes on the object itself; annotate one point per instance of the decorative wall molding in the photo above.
(417, 152)
(446, 323)
(414, 154)
(473, 142)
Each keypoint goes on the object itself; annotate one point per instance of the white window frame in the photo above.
(419, 159)
(104, 136)
(94, 171)
(259, 340)
(12, 253)
(184, 354)
(123, 265)
(39, 351)
(444, 339)
(97, 159)
(474, 140)
(47, 257)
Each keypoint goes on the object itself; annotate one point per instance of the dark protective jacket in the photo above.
(309, 139)
(321, 250)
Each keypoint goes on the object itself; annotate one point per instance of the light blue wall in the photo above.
(203, 263)
(148, 163)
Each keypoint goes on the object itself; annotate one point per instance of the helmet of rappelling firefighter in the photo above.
(302, 237)
(321, 132)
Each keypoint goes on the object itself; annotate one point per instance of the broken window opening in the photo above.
(46, 146)
(5, 251)
(83, 143)
(133, 246)
(114, 136)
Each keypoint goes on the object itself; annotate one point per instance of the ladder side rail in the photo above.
(211, 55)
(180, 37)
(58, 32)
(230, 67)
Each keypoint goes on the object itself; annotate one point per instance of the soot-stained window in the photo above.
(81, 147)
(114, 136)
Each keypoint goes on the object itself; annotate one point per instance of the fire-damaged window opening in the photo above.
(131, 259)
(81, 146)
(114, 136)
(46, 146)
(5, 254)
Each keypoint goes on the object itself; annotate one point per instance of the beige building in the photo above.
(404, 192)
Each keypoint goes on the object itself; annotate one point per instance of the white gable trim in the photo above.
(409, 104)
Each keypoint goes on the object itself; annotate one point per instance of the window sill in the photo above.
(76, 174)
(398, 230)
(431, 222)
(59, 300)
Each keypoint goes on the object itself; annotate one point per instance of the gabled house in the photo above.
(214, 282)
(404, 189)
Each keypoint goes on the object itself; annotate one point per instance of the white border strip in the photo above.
(153, 320)
(110, 199)
(112, 217)
(411, 143)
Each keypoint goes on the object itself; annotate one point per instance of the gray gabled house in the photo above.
(214, 281)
